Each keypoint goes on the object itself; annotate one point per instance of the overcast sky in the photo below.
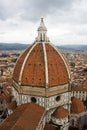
(66, 20)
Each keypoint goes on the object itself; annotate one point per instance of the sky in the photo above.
(66, 20)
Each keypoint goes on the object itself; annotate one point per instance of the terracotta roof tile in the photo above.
(33, 73)
(57, 71)
(3, 97)
(19, 65)
(26, 117)
(79, 88)
(60, 112)
(77, 106)
(12, 105)
(35, 64)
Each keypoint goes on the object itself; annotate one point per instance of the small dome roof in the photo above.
(77, 106)
(42, 28)
(60, 112)
(41, 65)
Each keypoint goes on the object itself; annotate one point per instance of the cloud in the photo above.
(34, 9)
(66, 20)
(31, 9)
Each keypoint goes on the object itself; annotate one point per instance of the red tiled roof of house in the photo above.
(12, 105)
(2, 96)
(60, 112)
(4, 79)
(77, 106)
(31, 69)
(79, 88)
(85, 83)
(25, 117)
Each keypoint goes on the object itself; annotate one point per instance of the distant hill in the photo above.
(19, 46)
(13, 46)
(73, 47)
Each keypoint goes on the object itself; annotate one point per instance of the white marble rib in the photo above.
(46, 64)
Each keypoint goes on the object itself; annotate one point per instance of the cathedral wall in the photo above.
(60, 121)
(48, 115)
(48, 103)
(58, 100)
(16, 96)
(82, 95)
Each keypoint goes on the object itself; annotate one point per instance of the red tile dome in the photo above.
(41, 65)
(60, 113)
(77, 106)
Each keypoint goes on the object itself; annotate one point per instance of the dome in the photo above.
(60, 113)
(77, 106)
(41, 65)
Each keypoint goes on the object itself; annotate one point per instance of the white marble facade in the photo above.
(48, 103)
(82, 95)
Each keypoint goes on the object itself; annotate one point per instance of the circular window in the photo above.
(57, 98)
(33, 99)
